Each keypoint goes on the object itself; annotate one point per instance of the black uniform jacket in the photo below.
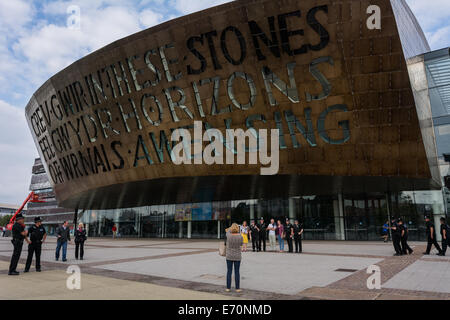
(80, 236)
(36, 234)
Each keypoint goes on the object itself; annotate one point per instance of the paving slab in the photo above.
(423, 276)
(259, 271)
(52, 285)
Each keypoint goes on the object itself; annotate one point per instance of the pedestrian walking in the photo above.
(233, 256)
(63, 237)
(18, 235)
(280, 235)
(254, 235)
(80, 238)
(114, 231)
(444, 235)
(396, 237)
(385, 232)
(298, 231)
(431, 236)
(244, 232)
(272, 237)
(36, 237)
(289, 234)
(404, 238)
(262, 226)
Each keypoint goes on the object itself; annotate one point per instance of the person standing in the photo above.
(289, 233)
(298, 231)
(431, 236)
(280, 235)
(396, 237)
(272, 237)
(262, 234)
(244, 232)
(444, 236)
(18, 235)
(385, 232)
(80, 238)
(233, 256)
(63, 236)
(37, 236)
(254, 235)
(404, 237)
(114, 231)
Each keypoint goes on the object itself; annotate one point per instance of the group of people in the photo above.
(400, 236)
(238, 237)
(35, 236)
(258, 233)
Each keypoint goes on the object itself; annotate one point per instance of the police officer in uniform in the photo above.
(298, 230)
(254, 233)
(396, 237)
(289, 234)
(36, 236)
(431, 236)
(404, 237)
(444, 235)
(18, 235)
(262, 226)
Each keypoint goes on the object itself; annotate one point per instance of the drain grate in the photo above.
(345, 270)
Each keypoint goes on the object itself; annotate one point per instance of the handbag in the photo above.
(222, 249)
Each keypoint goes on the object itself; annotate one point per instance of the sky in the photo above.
(36, 43)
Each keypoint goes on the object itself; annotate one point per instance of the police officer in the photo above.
(262, 226)
(396, 237)
(444, 235)
(36, 236)
(431, 236)
(298, 230)
(404, 237)
(254, 233)
(18, 235)
(289, 234)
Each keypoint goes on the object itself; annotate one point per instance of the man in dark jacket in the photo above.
(254, 233)
(444, 235)
(289, 234)
(262, 226)
(431, 236)
(63, 235)
(37, 236)
(404, 237)
(396, 237)
(18, 235)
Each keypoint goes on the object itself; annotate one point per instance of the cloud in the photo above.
(17, 154)
(54, 47)
(190, 6)
(434, 20)
(150, 18)
(14, 14)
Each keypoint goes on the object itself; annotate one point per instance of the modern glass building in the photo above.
(361, 114)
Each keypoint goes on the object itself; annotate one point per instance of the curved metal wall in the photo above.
(338, 92)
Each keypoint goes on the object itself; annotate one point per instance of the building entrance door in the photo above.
(364, 216)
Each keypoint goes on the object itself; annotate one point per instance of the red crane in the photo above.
(32, 197)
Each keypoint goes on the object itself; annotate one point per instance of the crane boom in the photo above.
(32, 197)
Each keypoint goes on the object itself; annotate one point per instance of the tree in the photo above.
(4, 220)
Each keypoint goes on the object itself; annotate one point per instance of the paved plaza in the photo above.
(192, 269)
